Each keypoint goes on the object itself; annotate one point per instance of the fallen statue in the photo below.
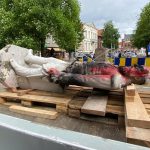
(27, 71)
(99, 75)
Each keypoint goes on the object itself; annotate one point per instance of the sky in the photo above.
(123, 13)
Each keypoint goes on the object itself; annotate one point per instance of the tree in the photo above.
(141, 38)
(28, 22)
(110, 35)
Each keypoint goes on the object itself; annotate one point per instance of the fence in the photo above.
(126, 61)
(132, 61)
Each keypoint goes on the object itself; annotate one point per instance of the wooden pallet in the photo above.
(57, 100)
(40, 103)
(115, 107)
(138, 118)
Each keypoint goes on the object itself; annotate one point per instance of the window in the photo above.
(89, 47)
(86, 46)
(85, 34)
(89, 34)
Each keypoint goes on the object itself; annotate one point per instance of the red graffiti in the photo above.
(53, 71)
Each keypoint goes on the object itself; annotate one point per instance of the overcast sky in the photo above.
(123, 13)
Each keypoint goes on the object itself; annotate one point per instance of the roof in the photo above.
(90, 25)
(127, 37)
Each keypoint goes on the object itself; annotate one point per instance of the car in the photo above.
(84, 57)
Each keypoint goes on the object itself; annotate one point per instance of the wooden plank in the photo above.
(44, 93)
(62, 109)
(2, 100)
(147, 106)
(138, 136)
(95, 105)
(136, 114)
(84, 94)
(115, 102)
(130, 90)
(11, 103)
(74, 113)
(22, 92)
(77, 104)
(146, 100)
(130, 98)
(144, 95)
(36, 98)
(118, 110)
(34, 112)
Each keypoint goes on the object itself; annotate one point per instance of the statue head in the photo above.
(137, 74)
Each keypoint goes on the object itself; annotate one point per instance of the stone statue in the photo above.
(20, 68)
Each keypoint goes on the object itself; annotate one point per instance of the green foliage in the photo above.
(110, 36)
(27, 23)
(141, 38)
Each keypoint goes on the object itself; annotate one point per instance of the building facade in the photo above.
(100, 38)
(126, 42)
(50, 42)
(90, 41)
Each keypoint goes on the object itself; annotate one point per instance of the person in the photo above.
(119, 54)
(85, 59)
(52, 52)
(148, 50)
(91, 55)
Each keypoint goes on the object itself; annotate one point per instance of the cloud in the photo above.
(123, 13)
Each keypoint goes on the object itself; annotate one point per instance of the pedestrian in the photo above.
(148, 50)
(119, 54)
(52, 52)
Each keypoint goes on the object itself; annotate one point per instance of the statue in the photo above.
(100, 75)
(20, 68)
